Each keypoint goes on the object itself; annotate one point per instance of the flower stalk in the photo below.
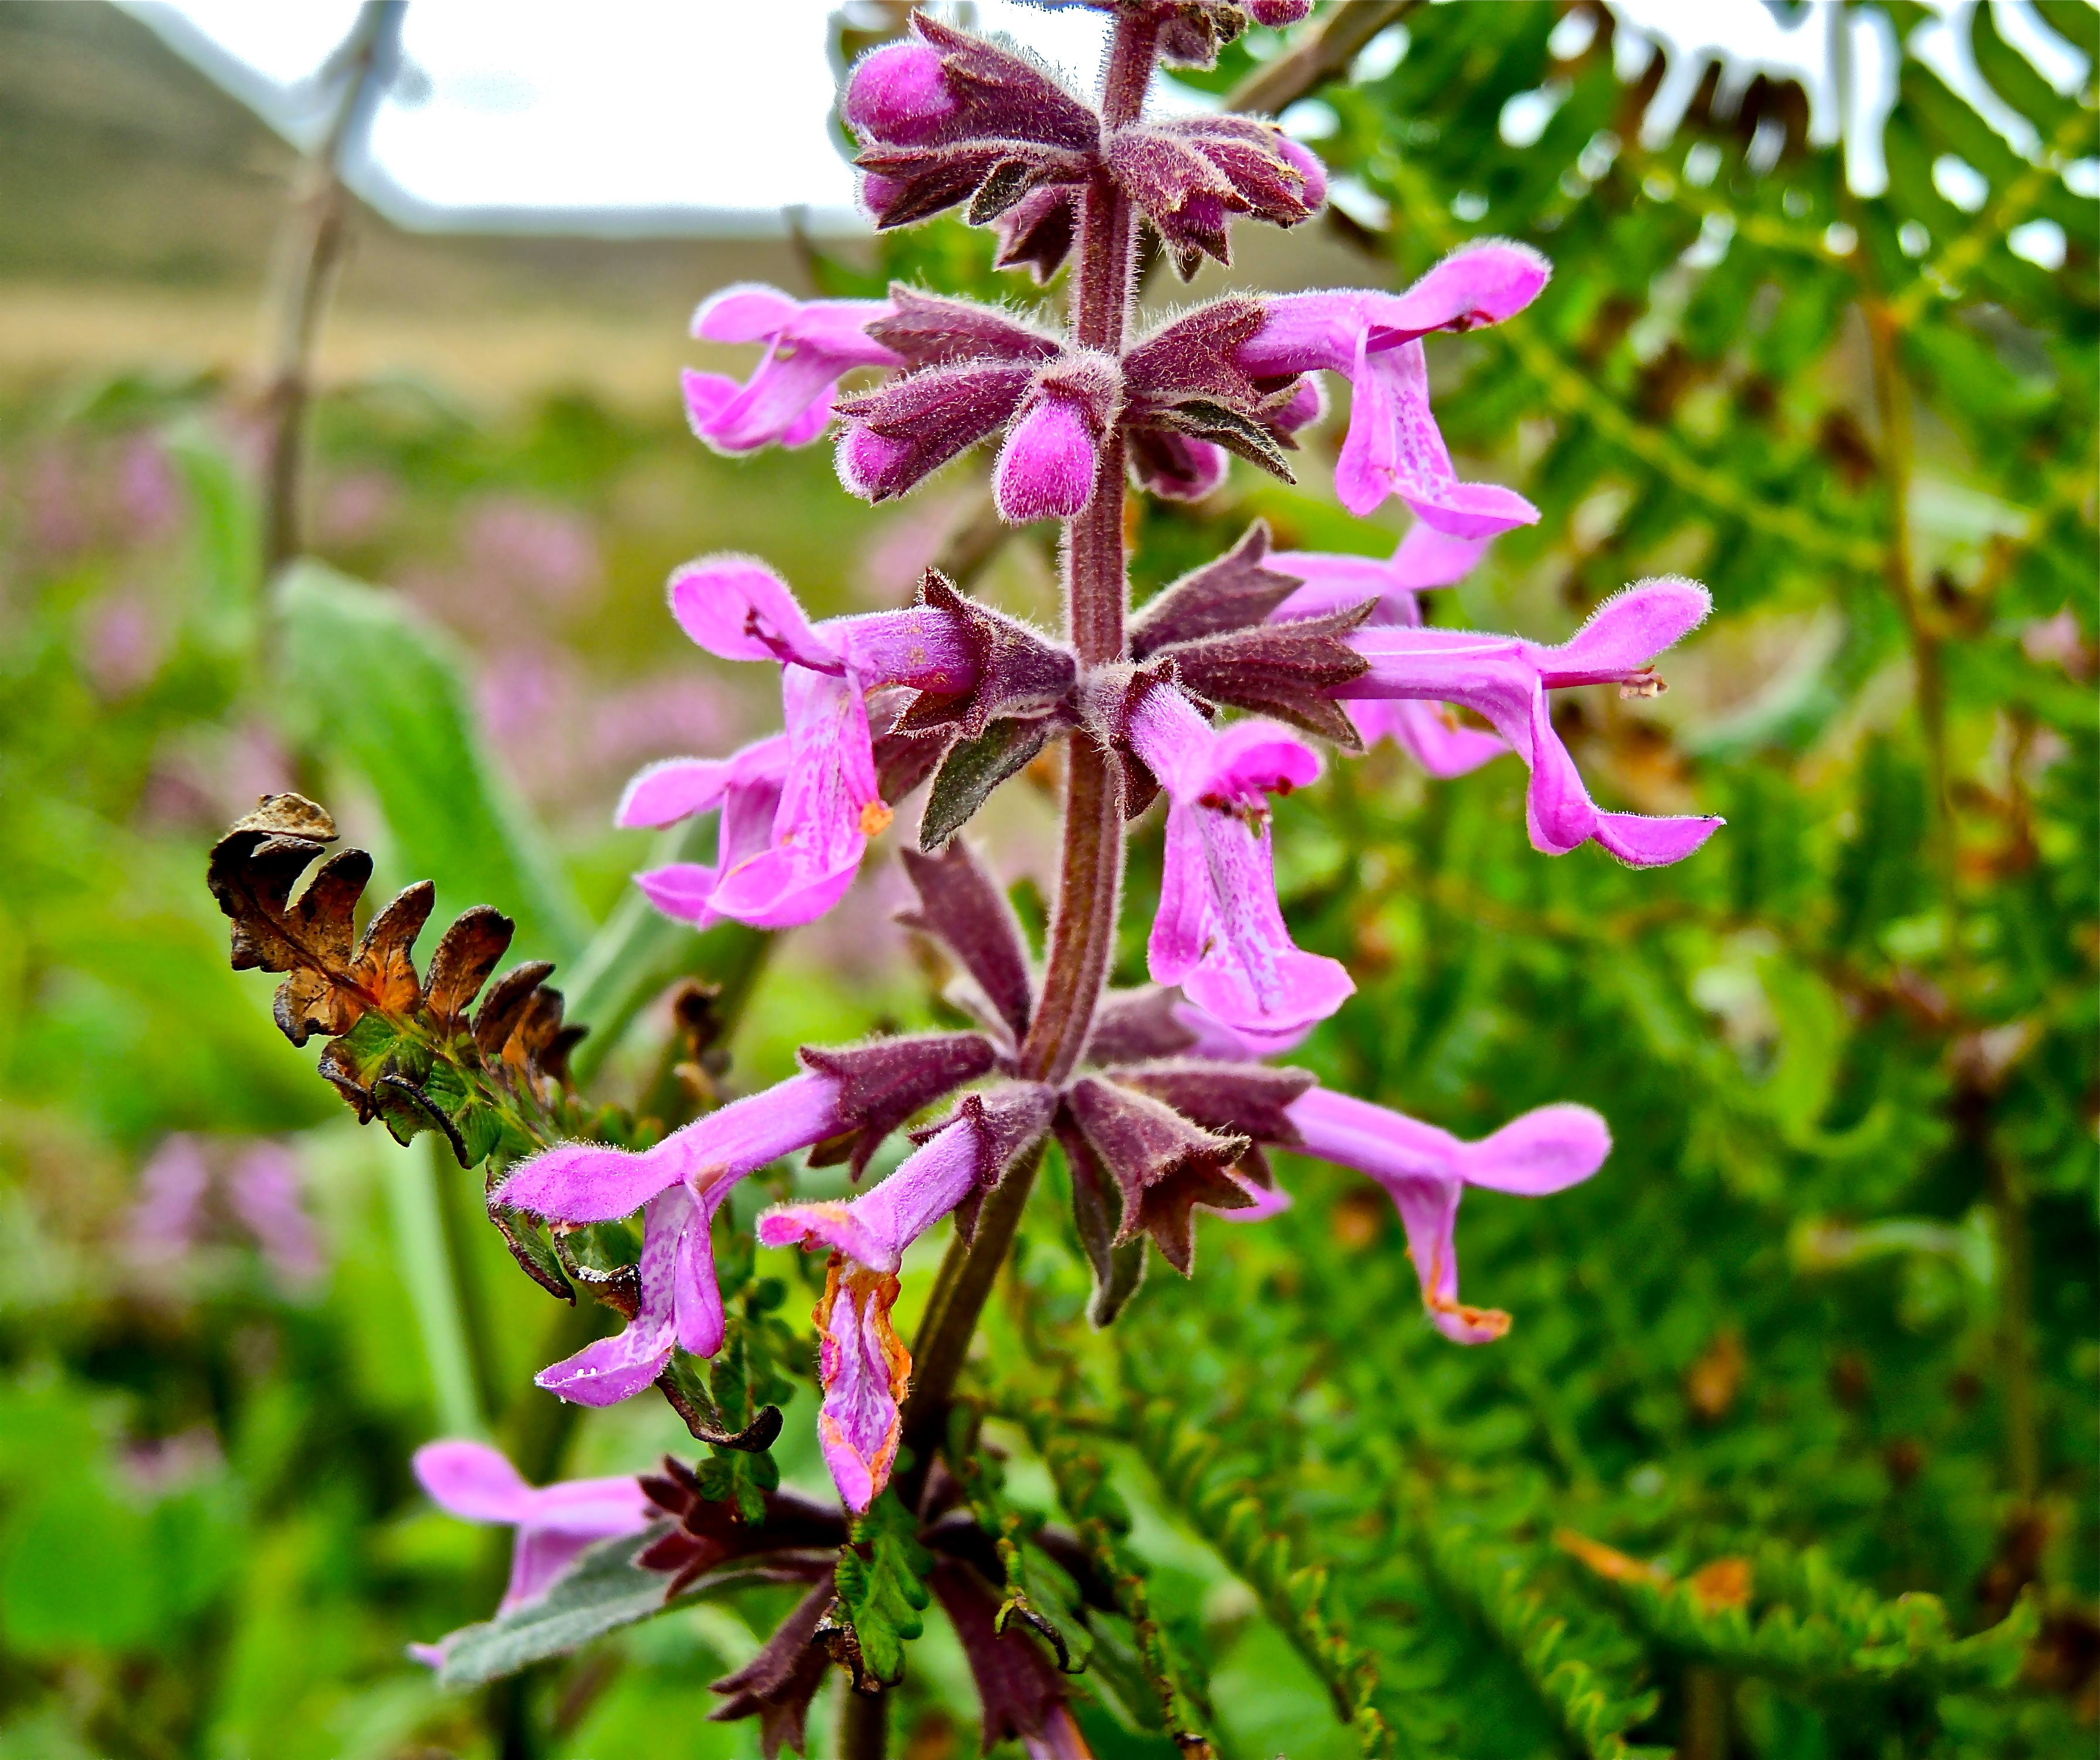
(1090, 873)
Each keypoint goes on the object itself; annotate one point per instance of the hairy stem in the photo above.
(1082, 933)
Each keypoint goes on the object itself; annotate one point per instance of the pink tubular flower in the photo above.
(554, 1523)
(745, 786)
(1426, 558)
(680, 1183)
(799, 808)
(1393, 447)
(865, 1369)
(1427, 1170)
(809, 348)
(1219, 933)
(1506, 679)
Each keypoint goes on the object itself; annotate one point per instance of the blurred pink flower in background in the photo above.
(257, 1184)
(569, 743)
(55, 500)
(905, 546)
(355, 507)
(155, 1466)
(263, 1188)
(124, 643)
(204, 777)
(169, 1212)
(518, 561)
(148, 489)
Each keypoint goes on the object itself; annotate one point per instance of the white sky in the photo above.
(720, 104)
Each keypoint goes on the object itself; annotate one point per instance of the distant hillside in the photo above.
(117, 158)
(140, 206)
(135, 194)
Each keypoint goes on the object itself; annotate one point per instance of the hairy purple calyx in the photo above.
(944, 118)
(1193, 176)
(960, 907)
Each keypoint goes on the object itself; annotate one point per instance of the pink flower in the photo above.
(1506, 679)
(865, 1369)
(680, 1183)
(1393, 447)
(809, 348)
(798, 808)
(554, 1523)
(1427, 558)
(1427, 1170)
(1219, 933)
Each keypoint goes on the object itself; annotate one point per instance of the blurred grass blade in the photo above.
(374, 685)
(425, 1268)
(226, 525)
(640, 952)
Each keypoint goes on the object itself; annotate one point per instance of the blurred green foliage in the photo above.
(1799, 1398)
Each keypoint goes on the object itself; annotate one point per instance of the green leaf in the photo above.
(603, 1590)
(972, 769)
(881, 1581)
(377, 687)
(226, 527)
(1224, 426)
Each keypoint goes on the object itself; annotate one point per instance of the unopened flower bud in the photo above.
(1304, 161)
(896, 93)
(876, 193)
(1276, 14)
(867, 461)
(1308, 403)
(1046, 469)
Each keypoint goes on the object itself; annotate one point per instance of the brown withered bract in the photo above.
(334, 978)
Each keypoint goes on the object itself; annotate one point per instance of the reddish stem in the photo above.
(1089, 885)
